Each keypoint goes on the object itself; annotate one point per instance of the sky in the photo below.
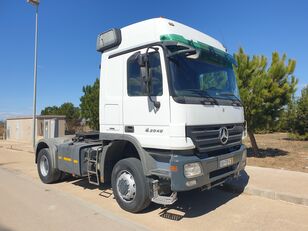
(67, 59)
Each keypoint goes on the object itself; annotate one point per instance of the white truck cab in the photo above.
(170, 117)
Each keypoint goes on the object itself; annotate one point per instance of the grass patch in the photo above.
(294, 136)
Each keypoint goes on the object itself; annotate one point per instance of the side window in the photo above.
(135, 84)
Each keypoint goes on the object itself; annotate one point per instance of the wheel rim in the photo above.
(126, 186)
(44, 165)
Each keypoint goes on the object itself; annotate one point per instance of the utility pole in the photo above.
(36, 4)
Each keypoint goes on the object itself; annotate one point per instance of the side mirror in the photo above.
(143, 61)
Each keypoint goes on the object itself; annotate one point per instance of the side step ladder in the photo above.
(92, 166)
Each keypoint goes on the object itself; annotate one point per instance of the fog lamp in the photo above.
(191, 183)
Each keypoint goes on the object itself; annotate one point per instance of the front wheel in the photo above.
(129, 185)
(47, 172)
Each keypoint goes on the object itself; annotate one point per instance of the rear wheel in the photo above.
(47, 172)
(129, 185)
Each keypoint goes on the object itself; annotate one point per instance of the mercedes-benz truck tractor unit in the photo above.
(170, 117)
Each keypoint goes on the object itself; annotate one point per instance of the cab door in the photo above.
(141, 118)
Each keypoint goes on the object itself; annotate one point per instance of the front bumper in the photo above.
(212, 175)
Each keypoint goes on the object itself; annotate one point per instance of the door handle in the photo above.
(129, 129)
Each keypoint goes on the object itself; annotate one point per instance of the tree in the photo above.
(89, 104)
(301, 123)
(1, 129)
(72, 114)
(264, 91)
(287, 119)
(295, 117)
(54, 110)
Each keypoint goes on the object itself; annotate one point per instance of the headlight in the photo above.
(192, 170)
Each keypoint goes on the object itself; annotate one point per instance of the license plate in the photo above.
(226, 162)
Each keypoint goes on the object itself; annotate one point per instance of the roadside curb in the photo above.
(270, 194)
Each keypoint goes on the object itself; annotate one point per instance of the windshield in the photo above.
(203, 77)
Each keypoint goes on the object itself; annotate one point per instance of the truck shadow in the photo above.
(84, 183)
(2, 228)
(195, 203)
(190, 204)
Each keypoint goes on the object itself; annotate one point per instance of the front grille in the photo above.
(207, 141)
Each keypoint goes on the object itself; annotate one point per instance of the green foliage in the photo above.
(1, 128)
(89, 104)
(296, 136)
(251, 79)
(72, 114)
(53, 110)
(295, 117)
(265, 91)
(287, 121)
(301, 125)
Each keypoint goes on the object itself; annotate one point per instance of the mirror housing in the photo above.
(143, 61)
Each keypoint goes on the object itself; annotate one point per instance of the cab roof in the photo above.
(152, 30)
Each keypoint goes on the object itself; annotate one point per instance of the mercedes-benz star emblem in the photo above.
(223, 135)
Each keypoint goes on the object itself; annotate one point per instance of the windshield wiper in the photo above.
(237, 101)
(204, 94)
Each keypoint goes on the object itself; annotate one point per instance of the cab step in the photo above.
(163, 200)
(92, 165)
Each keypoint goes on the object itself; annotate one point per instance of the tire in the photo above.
(121, 172)
(47, 172)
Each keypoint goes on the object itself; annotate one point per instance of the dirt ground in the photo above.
(280, 152)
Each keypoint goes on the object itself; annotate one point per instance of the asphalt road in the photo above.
(27, 204)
